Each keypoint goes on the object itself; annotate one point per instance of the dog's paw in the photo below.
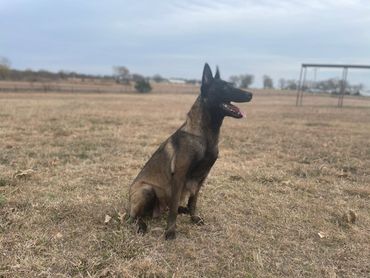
(197, 220)
(141, 227)
(170, 234)
(183, 210)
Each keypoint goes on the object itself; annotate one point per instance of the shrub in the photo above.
(143, 86)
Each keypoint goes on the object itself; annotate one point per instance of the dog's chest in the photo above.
(200, 168)
(198, 173)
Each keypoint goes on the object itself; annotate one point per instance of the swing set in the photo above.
(303, 75)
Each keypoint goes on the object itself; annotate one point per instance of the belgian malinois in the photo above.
(179, 167)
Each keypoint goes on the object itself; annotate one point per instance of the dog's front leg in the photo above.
(177, 187)
(192, 204)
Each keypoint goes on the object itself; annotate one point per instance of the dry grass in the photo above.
(275, 203)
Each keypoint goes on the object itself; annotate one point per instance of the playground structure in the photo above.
(303, 75)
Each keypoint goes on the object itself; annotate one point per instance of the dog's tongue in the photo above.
(237, 110)
(234, 109)
(242, 113)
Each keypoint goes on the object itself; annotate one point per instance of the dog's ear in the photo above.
(207, 77)
(217, 74)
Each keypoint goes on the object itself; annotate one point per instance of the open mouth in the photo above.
(232, 110)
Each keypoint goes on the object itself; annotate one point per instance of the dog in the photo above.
(177, 170)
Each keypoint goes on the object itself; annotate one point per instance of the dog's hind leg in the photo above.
(142, 202)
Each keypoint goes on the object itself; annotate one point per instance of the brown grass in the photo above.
(273, 203)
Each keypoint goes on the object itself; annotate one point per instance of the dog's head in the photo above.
(218, 94)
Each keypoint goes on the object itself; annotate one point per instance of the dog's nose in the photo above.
(249, 96)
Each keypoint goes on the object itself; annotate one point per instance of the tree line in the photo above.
(122, 75)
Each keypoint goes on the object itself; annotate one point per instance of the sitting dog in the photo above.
(179, 167)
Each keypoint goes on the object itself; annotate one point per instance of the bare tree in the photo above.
(121, 74)
(291, 85)
(235, 80)
(282, 83)
(4, 68)
(246, 80)
(137, 77)
(242, 80)
(268, 83)
(158, 78)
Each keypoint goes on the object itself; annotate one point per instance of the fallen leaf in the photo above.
(288, 182)
(322, 234)
(122, 216)
(23, 174)
(343, 174)
(107, 219)
(59, 235)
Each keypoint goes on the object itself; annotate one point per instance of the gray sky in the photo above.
(175, 38)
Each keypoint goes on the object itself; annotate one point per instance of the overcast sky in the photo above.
(174, 38)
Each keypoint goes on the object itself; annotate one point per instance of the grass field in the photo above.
(288, 197)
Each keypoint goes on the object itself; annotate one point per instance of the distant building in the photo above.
(365, 93)
(176, 81)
